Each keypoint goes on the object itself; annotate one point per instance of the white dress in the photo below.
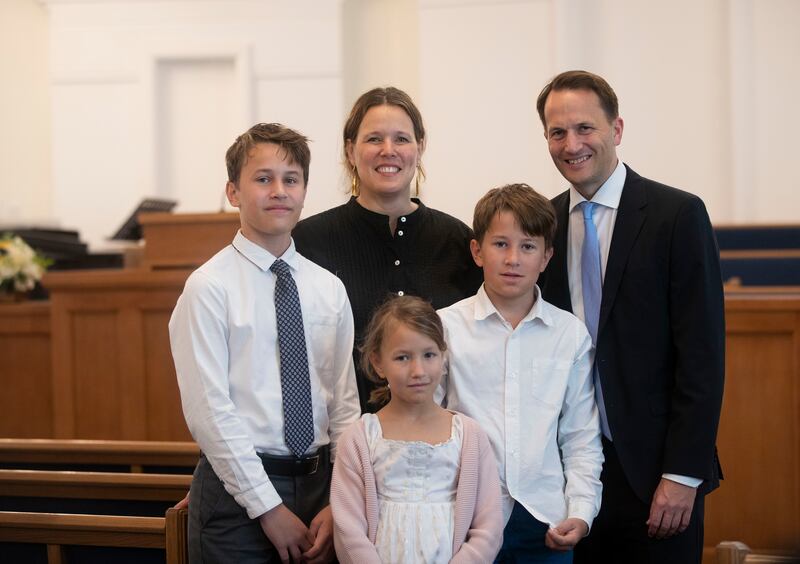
(416, 484)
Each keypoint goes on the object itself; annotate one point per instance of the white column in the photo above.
(380, 46)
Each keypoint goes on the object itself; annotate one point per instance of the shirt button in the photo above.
(403, 219)
(400, 233)
(397, 262)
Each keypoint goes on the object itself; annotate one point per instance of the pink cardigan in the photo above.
(478, 526)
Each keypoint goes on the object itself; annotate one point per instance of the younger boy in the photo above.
(262, 340)
(522, 368)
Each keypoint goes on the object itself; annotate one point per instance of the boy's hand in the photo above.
(566, 534)
(322, 530)
(286, 532)
(183, 503)
(671, 509)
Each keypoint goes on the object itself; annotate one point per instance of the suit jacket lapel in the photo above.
(630, 218)
(557, 276)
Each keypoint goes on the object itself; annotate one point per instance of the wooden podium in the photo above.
(95, 363)
(185, 240)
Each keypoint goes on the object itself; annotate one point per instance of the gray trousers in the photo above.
(220, 530)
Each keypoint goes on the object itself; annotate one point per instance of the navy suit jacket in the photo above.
(661, 336)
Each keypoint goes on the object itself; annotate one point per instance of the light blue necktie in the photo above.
(295, 380)
(592, 291)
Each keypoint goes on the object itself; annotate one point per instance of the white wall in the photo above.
(705, 90)
(25, 169)
(147, 94)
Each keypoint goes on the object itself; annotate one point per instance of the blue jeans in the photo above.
(523, 541)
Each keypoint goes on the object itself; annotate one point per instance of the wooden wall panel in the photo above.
(26, 401)
(759, 437)
(112, 368)
(95, 374)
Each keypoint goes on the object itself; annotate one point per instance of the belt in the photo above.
(294, 466)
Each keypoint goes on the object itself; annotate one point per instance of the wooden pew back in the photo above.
(59, 531)
(107, 493)
(125, 456)
(732, 552)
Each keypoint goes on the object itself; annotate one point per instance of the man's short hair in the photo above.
(534, 213)
(293, 143)
(581, 80)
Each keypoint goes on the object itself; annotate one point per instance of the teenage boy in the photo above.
(522, 368)
(262, 340)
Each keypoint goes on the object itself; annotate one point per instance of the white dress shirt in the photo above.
(531, 390)
(225, 347)
(605, 217)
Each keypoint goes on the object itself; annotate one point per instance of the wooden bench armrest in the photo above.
(177, 537)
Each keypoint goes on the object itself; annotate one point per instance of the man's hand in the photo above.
(321, 530)
(183, 503)
(286, 532)
(671, 509)
(566, 534)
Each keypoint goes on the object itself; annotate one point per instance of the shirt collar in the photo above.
(608, 194)
(261, 257)
(380, 220)
(485, 308)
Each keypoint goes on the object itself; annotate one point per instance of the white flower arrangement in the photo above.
(20, 266)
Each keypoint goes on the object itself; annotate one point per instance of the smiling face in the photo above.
(384, 152)
(269, 194)
(411, 363)
(512, 261)
(581, 139)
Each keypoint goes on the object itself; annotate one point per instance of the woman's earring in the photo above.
(354, 183)
(420, 176)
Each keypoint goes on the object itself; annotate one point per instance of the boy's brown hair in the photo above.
(534, 213)
(411, 311)
(293, 143)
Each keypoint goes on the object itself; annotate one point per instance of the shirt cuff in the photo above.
(259, 500)
(685, 480)
(582, 510)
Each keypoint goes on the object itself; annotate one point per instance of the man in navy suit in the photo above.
(657, 320)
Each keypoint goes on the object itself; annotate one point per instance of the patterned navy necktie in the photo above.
(295, 380)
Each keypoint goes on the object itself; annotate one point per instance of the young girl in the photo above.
(413, 482)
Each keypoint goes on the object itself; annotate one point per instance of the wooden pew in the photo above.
(125, 456)
(731, 552)
(94, 485)
(59, 532)
(106, 493)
